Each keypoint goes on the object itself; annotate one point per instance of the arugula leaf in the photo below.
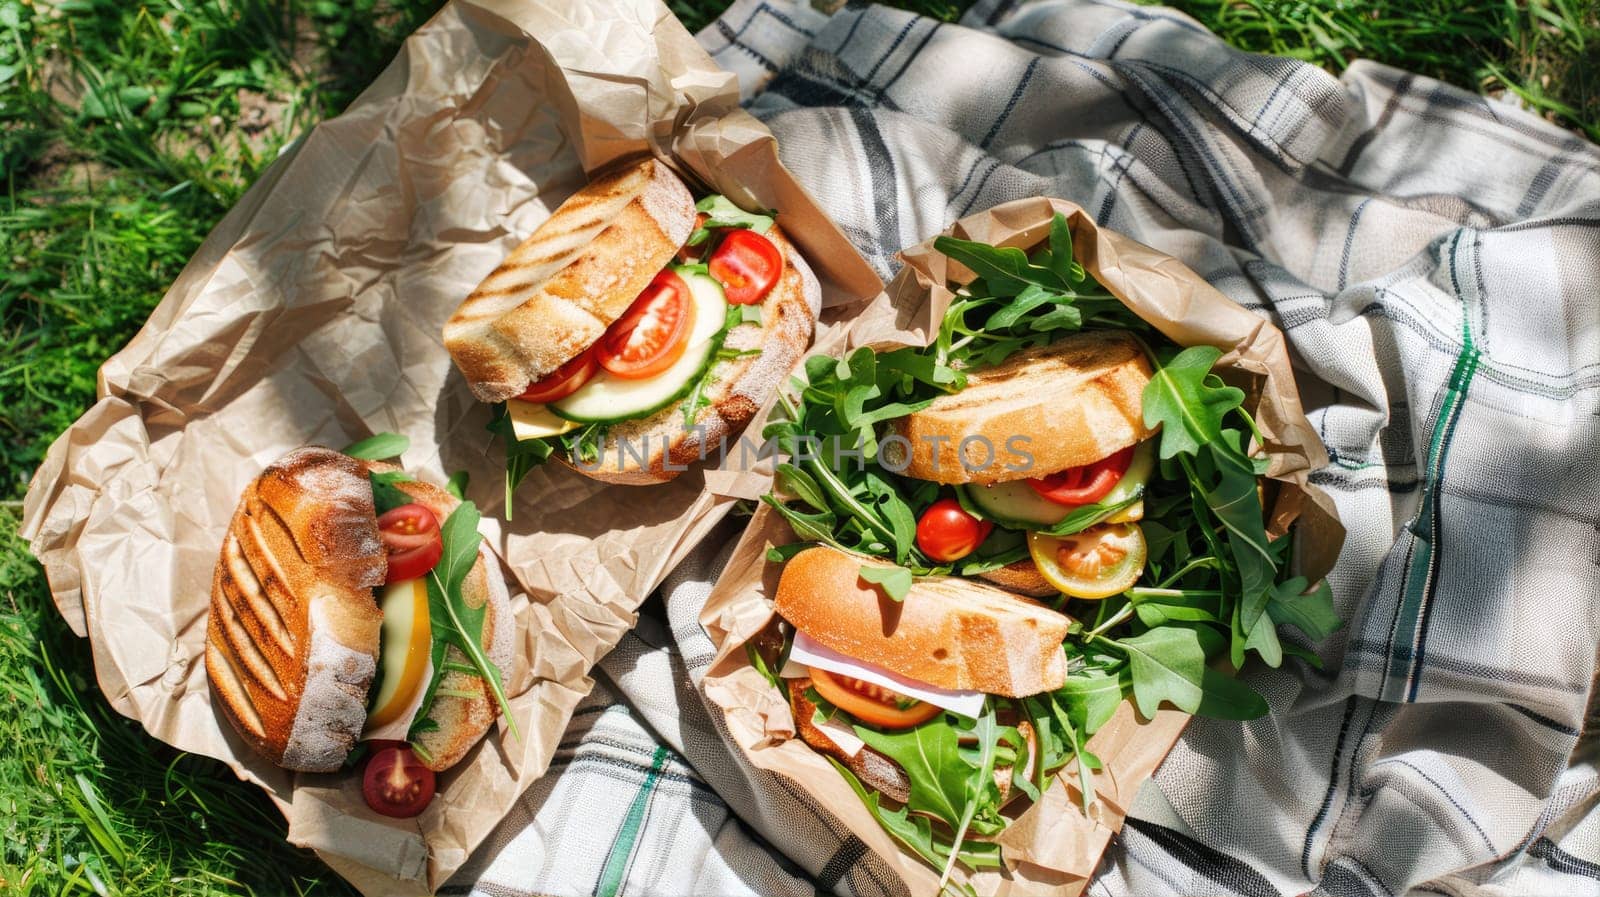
(1061, 260)
(457, 485)
(1091, 700)
(930, 754)
(1225, 697)
(378, 447)
(978, 784)
(454, 623)
(1168, 664)
(522, 455)
(1157, 607)
(385, 495)
(894, 582)
(760, 664)
(778, 554)
(1003, 268)
(1310, 612)
(1081, 518)
(1031, 297)
(1189, 411)
(721, 212)
(800, 484)
(816, 527)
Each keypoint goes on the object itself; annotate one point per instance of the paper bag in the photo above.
(312, 314)
(1053, 848)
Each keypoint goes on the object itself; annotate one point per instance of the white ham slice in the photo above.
(806, 652)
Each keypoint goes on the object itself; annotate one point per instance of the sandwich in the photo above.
(636, 329)
(354, 604)
(1050, 442)
(860, 665)
(1047, 511)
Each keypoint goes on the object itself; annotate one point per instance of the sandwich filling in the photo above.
(662, 350)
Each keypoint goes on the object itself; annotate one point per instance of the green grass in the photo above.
(128, 127)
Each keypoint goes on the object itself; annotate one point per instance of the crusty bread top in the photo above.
(579, 271)
(1076, 400)
(948, 632)
(293, 633)
(735, 390)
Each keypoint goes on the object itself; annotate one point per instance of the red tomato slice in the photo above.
(871, 703)
(946, 532)
(652, 333)
(411, 537)
(564, 380)
(395, 783)
(1084, 485)
(747, 264)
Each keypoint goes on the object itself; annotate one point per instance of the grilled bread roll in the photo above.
(294, 630)
(292, 639)
(737, 386)
(1078, 399)
(559, 291)
(948, 632)
(579, 272)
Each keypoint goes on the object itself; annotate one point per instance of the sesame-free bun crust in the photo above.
(948, 632)
(293, 631)
(1076, 400)
(736, 390)
(578, 272)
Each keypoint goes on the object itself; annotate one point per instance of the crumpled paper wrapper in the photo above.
(1052, 847)
(312, 314)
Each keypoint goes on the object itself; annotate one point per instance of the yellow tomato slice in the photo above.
(407, 642)
(1099, 562)
(871, 703)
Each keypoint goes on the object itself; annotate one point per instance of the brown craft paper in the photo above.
(1052, 848)
(312, 314)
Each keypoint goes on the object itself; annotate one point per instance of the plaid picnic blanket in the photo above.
(1431, 255)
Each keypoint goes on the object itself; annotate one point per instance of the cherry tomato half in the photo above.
(946, 532)
(396, 783)
(652, 333)
(871, 703)
(747, 264)
(411, 537)
(564, 380)
(1084, 485)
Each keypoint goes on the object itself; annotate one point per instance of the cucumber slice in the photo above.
(1017, 505)
(611, 398)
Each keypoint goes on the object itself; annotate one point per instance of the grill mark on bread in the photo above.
(265, 548)
(281, 661)
(576, 274)
(242, 646)
(221, 665)
(242, 580)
